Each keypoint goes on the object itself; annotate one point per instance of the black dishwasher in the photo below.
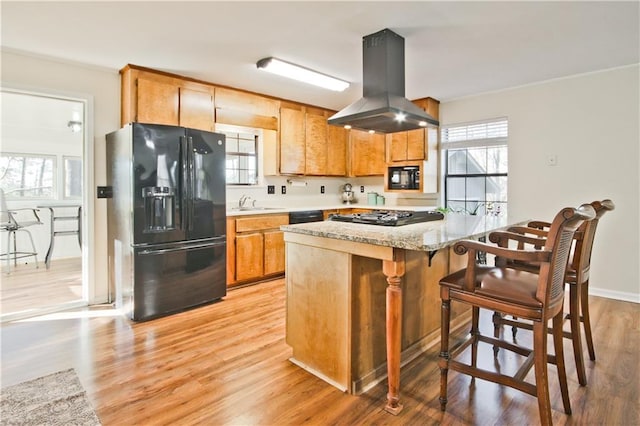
(305, 216)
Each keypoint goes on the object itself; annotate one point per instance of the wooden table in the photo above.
(332, 274)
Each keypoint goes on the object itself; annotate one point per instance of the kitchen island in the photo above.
(362, 298)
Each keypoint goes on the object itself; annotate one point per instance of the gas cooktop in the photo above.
(388, 217)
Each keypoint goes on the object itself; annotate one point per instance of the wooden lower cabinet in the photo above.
(273, 252)
(255, 248)
(249, 256)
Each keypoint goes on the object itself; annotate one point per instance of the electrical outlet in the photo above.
(271, 189)
(322, 189)
(362, 189)
(283, 189)
(106, 192)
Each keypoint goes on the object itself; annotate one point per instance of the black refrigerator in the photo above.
(166, 218)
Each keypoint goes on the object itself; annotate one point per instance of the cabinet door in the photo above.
(415, 144)
(407, 146)
(292, 157)
(249, 256)
(157, 102)
(315, 144)
(337, 151)
(367, 154)
(196, 109)
(273, 252)
(398, 146)
(248, 102)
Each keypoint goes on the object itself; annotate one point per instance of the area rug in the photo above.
(55, 399)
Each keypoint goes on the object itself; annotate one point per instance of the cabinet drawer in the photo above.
(256, 223)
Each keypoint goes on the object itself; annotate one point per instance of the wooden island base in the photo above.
(338, 320)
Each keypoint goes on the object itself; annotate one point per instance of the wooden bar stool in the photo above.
(535, 297)
(577, 276)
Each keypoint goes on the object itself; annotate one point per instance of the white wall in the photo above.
(103, 86)
(591, 123)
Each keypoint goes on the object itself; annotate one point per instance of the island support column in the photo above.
(394, 270)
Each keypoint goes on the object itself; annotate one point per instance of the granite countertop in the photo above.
(425, 236)
(233, 211)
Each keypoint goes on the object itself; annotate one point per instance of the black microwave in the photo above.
(404, 177)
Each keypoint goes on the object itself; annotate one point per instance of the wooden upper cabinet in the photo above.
(367, 153)
(406, 146)
(248, 102)
(292, 140)
(397, 146)
(316, 144)
(416, 144)
(337, 138)
(430, 105)
(308, 145)
(196, 109)
(156, 98)
(412, 145)
(246, 109)
(157, 102)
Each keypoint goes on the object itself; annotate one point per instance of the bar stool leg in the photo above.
(15, 251)
(585, 318)
(33, 247)
(9, 252)
(576, 338)
(47, 258)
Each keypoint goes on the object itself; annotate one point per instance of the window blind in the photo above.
(481, 133)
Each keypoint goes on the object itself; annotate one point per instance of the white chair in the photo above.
(10, 224)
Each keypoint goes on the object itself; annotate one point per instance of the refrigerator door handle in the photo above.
(182, 248)
(191, 191)
(185, 201)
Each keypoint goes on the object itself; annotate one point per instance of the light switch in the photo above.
(552, 160)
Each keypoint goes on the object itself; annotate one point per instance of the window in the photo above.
(476, 167)
(72, 177)
(241, 158)
(27, 175)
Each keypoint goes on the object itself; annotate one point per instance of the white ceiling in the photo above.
(452, 49)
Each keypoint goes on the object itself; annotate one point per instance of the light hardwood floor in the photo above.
(28, 288)
(227, 363)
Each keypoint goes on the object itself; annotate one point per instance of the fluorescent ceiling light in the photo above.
(299, 73)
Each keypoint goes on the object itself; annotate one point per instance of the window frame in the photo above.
(496, 132)
(256, 155)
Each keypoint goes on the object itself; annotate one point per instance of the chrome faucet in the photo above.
(244, 200)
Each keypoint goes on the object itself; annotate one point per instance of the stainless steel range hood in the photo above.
(383, 101)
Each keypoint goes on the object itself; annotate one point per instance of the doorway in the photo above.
(42, 164)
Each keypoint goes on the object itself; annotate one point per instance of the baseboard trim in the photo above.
(617, 295)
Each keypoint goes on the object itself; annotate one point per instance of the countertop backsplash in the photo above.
(305, 191)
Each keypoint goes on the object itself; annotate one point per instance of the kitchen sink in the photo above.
(255, 208)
